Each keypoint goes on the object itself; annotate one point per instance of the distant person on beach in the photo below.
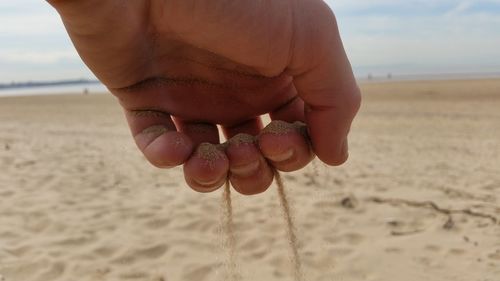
(179, 68)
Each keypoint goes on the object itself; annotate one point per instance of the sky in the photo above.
(380, 36)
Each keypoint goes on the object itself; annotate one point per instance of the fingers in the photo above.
(156, 136)
(325, 82)
(249, 127)
(286, 145)
(210, 165)
(290, 112)
(199, 132)
(207, 168)
(329, 112)
(246, 159)
(282, 144)
(249, 171)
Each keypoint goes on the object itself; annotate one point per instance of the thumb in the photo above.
(324, 80)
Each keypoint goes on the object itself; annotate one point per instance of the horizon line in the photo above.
(366, 77)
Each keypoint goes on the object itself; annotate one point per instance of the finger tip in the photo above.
(242, 150)
(204, 188)
(286, 146)
(335, 158)
(206, 170)
(253, 185)
(168, 150)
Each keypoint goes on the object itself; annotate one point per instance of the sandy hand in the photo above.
(181, 67)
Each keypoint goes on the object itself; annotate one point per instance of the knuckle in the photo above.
(352, 100)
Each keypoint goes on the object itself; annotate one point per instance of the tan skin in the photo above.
(181, 67)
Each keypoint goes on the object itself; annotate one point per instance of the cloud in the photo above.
(34, 44)
(38, 57)
(405, 36)
(459, 8)
(31, 24)
(412, 8)
(18, 71)
(420, 36)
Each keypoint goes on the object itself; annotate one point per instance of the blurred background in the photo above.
(382, 37)
(419, 198)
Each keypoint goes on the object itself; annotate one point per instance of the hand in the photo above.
(180, 67)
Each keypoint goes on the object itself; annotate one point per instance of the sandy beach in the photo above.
(419, 199)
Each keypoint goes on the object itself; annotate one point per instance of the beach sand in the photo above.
(419, 199)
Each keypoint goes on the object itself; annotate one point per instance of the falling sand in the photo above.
(229, 243)
(290, 228)
(230, 238)
(79, 202)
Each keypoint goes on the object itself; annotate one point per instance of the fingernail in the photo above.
(155, 130)
(207, 183)
(281, 157)
(245, 170)
(148, 135)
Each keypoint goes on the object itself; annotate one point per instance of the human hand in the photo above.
(181, 67)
